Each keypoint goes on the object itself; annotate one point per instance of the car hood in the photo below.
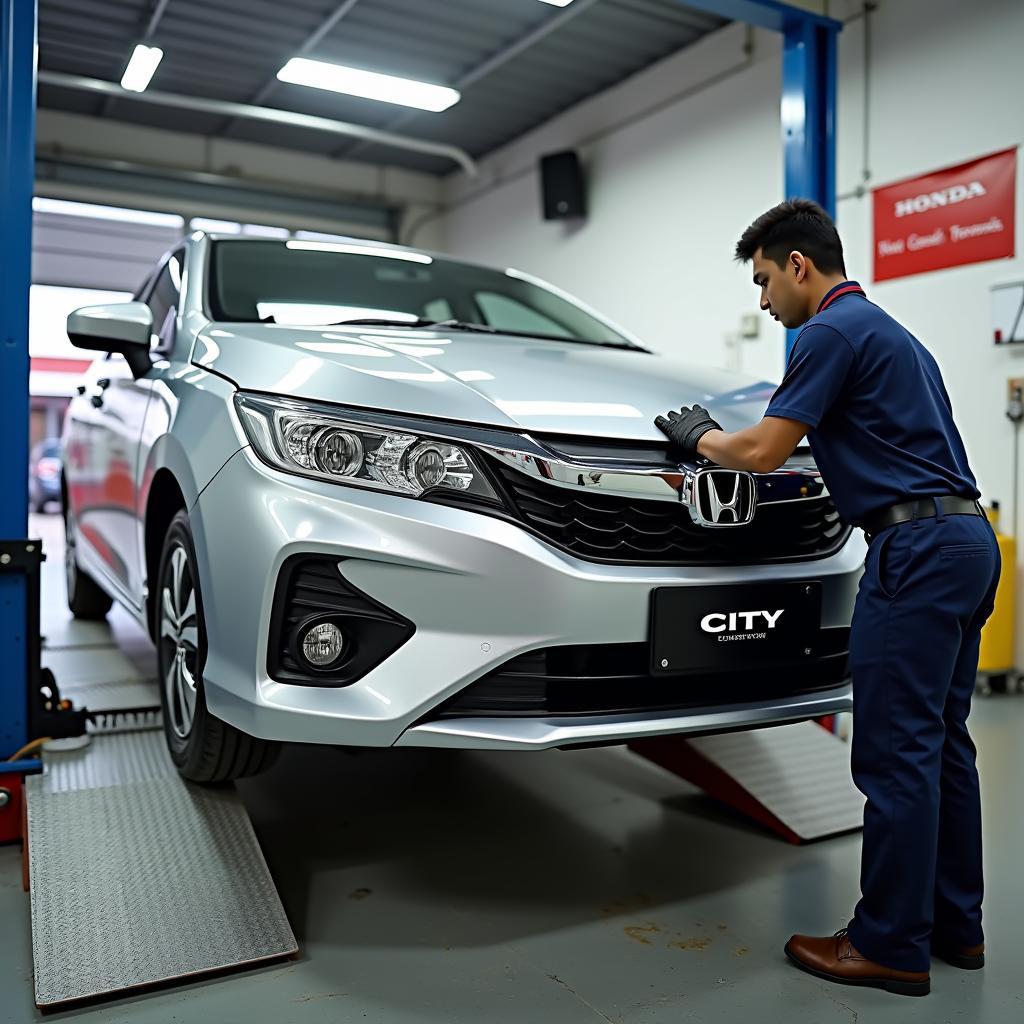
(490, 379)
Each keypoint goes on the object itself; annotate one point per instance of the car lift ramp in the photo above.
(793, 779)
(138, 877)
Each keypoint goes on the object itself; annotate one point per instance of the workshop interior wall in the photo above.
(676, 169)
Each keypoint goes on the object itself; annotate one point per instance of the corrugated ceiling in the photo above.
(232, 49)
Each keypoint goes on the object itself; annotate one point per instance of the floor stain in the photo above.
(697, 943)
(323, 995)
(359, 894)
(741, 950)
(639, 933)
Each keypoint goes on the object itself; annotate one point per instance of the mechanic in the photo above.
(871, 400)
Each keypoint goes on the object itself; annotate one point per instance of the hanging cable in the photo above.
(27, 749)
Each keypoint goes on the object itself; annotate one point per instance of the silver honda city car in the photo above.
(368, 496)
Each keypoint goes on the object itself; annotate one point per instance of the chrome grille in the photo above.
(609, 528)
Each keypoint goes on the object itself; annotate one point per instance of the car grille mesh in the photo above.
(608, 528)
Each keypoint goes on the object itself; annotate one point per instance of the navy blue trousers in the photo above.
(927, 589)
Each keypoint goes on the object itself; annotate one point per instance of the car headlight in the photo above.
(312, 441)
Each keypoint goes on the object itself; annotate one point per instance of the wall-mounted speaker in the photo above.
(562, 189)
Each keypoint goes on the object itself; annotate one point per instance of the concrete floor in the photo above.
(565, 886)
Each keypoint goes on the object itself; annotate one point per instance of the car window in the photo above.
(164, 298)
(300, 282)
(437, 309)
(508, 314)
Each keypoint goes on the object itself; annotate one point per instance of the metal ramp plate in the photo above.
(138, 877)
(794, 779)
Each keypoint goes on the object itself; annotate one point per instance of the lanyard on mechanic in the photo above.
(845, 289)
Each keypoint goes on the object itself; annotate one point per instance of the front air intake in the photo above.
(311, 592)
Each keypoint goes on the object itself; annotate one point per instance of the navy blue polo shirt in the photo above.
(881, 424)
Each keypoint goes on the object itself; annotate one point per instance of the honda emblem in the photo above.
(722, 497)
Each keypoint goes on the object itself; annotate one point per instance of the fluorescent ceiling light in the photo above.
(71, 209)
(361, 250)
(139, 72)
(369, 84)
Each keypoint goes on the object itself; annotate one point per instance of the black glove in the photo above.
(686, 427)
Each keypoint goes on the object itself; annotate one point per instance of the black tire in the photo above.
(203, 748)
(86, 599)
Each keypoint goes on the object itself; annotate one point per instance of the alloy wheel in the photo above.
(179, 641)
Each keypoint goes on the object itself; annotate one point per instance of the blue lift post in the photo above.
(17, 164)
(809, 65)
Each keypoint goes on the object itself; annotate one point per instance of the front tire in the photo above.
(203, 748)
(86, 599)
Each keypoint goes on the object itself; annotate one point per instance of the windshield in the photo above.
(300, 282)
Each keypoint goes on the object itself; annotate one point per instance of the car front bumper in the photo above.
(479, 590)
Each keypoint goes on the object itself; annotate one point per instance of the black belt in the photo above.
(950, 504)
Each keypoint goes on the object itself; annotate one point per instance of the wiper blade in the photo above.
(381, 322)
(462, 325)
(448, 325)
(577, 341)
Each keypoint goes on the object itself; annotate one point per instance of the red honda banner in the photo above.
(963, 214)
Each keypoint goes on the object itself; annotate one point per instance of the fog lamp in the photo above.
(322, 644)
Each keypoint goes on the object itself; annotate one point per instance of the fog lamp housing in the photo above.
(311, 595)
(322, 644)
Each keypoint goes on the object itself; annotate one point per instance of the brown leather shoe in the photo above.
(834, 958)
(967, 958)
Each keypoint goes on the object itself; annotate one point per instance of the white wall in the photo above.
(671, 190)
(679, 159)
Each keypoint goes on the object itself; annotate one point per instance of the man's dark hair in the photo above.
(799, 224)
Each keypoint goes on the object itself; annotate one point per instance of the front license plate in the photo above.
(735, 626)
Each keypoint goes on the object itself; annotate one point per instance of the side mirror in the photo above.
(124, 327)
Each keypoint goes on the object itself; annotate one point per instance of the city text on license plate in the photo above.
(730, 626)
